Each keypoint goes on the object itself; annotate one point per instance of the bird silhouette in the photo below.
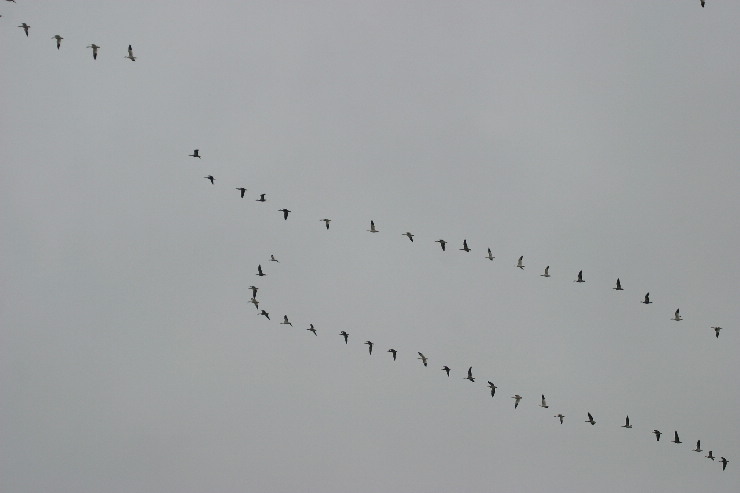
(470, 375)
(676, 316)
(446, 369)
(210, 178)
(675, 438)
(520, 264)
(657, 435)
(490, 255)
(590, 419)
(345, 335)
(369, 346)
(547, 272)
(196, 153)
(561, 416)
(516, 398)
(273, 259)
(580, 277)
(710, 456)
(543, 403)
(59, 40)
(254, 291)
(241, 189)
(25, 27)
(492, 387)
(724, 462)
(286, 321)
(619, 286)
(95, 49)
(465, 246)
(423, 359)
(627, 423)
(393, 352)
(409, 235)
(262, 198)
(255, 303)
(372, 227)
(698, 446)
(130, 55)
(259, 271)
(312, 329)
(326, 221)
(285, 213)
(442, 243)
(267, 315)
(716, 331)
(646, 301)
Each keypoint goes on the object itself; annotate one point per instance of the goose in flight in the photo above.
(465, 246)
(716, 331)
(59, 40)
(520, 264)
(702, 2)
(675, 438)
(561, 416)
(724, 462)
(130, 55)
(698, 446)
(442, 243)
(273, 259)
(254, 291)
(25, 27)
(326, 222)
(493, 388)
(267, 315)
(286, 321)
(590, 419)
(312, 329)
(393, 352)
(646, 301)
(423, 359)
(255, 302)
(627, 423)
(446, 369)
(372, 227)
(547, 272)
(196, 153)
(710, 456)
(259, 271)
(210, 178)
(657, 435)
(544, 403)
(262, 198)
(470, 375)
(95, 49)
(409, 235)
(490, 255)
(242, 190)
(285, 213)
(580, 277)
(619, 286)
(516, 398)
(676, 316)
(369, 346)
(345, 335)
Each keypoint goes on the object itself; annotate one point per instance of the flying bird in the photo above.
(345, 335)
(95, 49)
(698, 446)
(409, 235)
(561, 416)
(195, 154)
(312, 329)
(372, 227)
(676, 316)
(254, 291)
(724, 462)
(657, 435)
(286, 321)
(326, 221)
(369, 346)
(675, 438)
(470, 375)
(492, 387)
(210, 178)
(241, 189)
(516, 398)
(273, 259)
(590, 419)
(423, 359)
(259, 271)
(619, 286)
(710, 456)
(393, 352)
(646, 301)
(547, 272)
(716, 331)
(627, 423)
(490, 255)
(465, 246)
(25, 27)
(267, 315)
(255, 303)
(285, 213)
(446, 369)
(544, 403)
(262, 198)
(580, 277)
(442, 243)
(59, 40)
(130, 55)
(519, 262)
(702, 2)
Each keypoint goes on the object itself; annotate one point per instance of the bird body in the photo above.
(262, 198)
(326, 221)
(345, 335)
(675, 438)
(516, 398)
(490, 255)
(210, 178)
(676, 316)
(580, 277)
(423, 358)
(95, 49)
(255, 303)
(393, 352)
(195, 154)
(312, 329)
(369, 346)
(710, 456)
(493, 388)
(465, 246)
(543, 403)
(521, 265)
(627, 423)
(547, 272)
(724, 462)
(59, 40)
(254, 291)
(267, 315)
(657, 435)
(259, 271)
(646, 301)
(130, 55)
(242, 190)
(25, 27)
(372, 227)
(561, 416)
(716, 331)
(446, 369)
(286, 321)
(409, 235)
(442, 243)
(590, 419)
(619, 286)
(285, 213)
(273, 259)
(470, 375)
(698, 446)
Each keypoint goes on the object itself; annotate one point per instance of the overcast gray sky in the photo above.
(593, 135)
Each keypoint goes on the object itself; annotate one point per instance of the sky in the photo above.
(585, 135)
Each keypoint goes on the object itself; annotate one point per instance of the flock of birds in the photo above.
(491, 387)
(421, 356)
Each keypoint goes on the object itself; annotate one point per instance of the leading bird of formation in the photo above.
(491, 387)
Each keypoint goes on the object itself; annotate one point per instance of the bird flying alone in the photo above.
(646, 301)
(465, 246)
(446, 369)
(312, 329)
(59, 40)
(520, 264)
(254, 291)
(210, 178)
(326, 222)
(627, 423)
(285, 213)
(716, 331)
(286, 321)
(345, 335)
(423, 358)
(95, 49)
(25, 27)
(580, 277)
(273, 259)
(561, 416)
(393, 352)
(267, 315)
(516, 398)
(590, 419)
(242, 190)
(724, 462)
(369, 346)
(676, 316)
(490, 255)
(657, 434)
(130, 55)
(493, 388)
(409, 235)
(547, 272)
(470, 375)
(619, 286)
(698, 446)
(262, 198)
(710, 456)
(372, 227)
(544, 403)
(196, 153)
(442, 243)
(259, 271)
(255, 302)
(675, 438)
